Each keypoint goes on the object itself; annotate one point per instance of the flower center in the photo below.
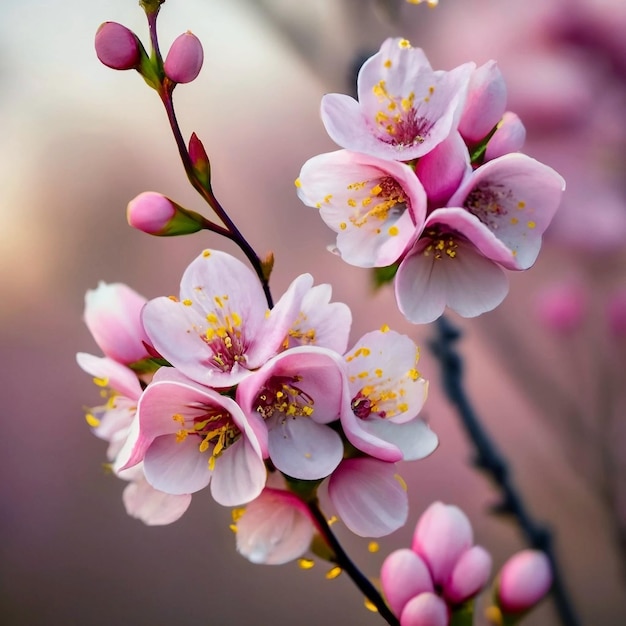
(399, 121)
(489, 202)
(213, 426)
(442, 245)
(281, 394)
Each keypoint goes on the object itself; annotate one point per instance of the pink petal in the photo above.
(275, 528)
(239, 475)
(403, 576)
(524, 579)
(509, 137)
(176, 467)
(301, 448)
(111, 373)
(153, 507)
(368, 497)
(414, 439)
(469, 283)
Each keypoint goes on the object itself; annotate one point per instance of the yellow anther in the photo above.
(376, 190)
(297, 182)
(401, 481)
(237, 513)
(92, 420)
(101, 382)
(402, 407)
(363, 374)
(351, 202)
(333, 573)
(387, 63)
(531, 224)
(306, 563)
(521, 204)
(212, 318)
(343, 226)
(393, 231)
(369, 605)
(373, 547)
(384, 328)
(177, 417)
(378, 372)
(206, 253)
(413, 374)
(181, 435)
(187, 302)
(219, 302)
(514, 220)
(328, 198)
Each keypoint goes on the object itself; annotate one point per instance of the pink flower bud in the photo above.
(157, 215)
(442, 534)
(509, 137)
(524, 580)
(199, 159)
(469, 576)
(275, 528)
(117, 46)
(562, 308)
(184, 60)
(113, 316)
(403, 576)
(427, 609)
(616, 314)
(485, 104)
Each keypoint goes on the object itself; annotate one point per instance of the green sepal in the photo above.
(477, 155)
(383, 275)
(320, 549)
(306, 490)
(463, 614)
(150, 6)
(149, 365)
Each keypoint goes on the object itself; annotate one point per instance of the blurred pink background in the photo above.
(79, 141)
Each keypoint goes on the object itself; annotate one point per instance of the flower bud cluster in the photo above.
(232, 389)
(429, 584)
(429, 181)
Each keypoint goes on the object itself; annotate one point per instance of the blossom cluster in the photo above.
(429, 182)
(214, 389)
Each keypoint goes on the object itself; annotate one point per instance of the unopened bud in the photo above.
(509, 137)
(470, 574)
(117, 46)
(184, 59)
(524, 580)
(200, 160)
(157, 215)
(426, 609)
(485, 104)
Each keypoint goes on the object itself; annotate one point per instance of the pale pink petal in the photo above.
(443, 168)
(427, 609)
(375, 206)
(403, 576)
(468, 283)
(368, 497)
(301, 448)
(239, 475)
(176, 467)
(111, 374)
(274, 529)
(112, 314)
(516, 197)
(443, 533)
(414, 439)
(153, 507)
(470, 574)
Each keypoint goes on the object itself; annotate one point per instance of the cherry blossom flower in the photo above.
(274, 528)
(114, 423)
(298, 393)
(385, 393)
(190, 436)
(404, 108)
(220, 329)
(377, 207)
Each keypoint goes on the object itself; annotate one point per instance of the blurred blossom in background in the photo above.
(545, 370)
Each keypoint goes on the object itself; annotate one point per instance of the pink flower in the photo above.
(485, 104)
(368, 496)
(115, 422)
(523, 581)
(113, 316)
(376, 207)
(385, 393)
(190, 436)
(274, 528)
(220, 329)
(510, 136)
(404, 109)
(298, 393)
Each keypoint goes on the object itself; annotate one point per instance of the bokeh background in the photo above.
(546, 371)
